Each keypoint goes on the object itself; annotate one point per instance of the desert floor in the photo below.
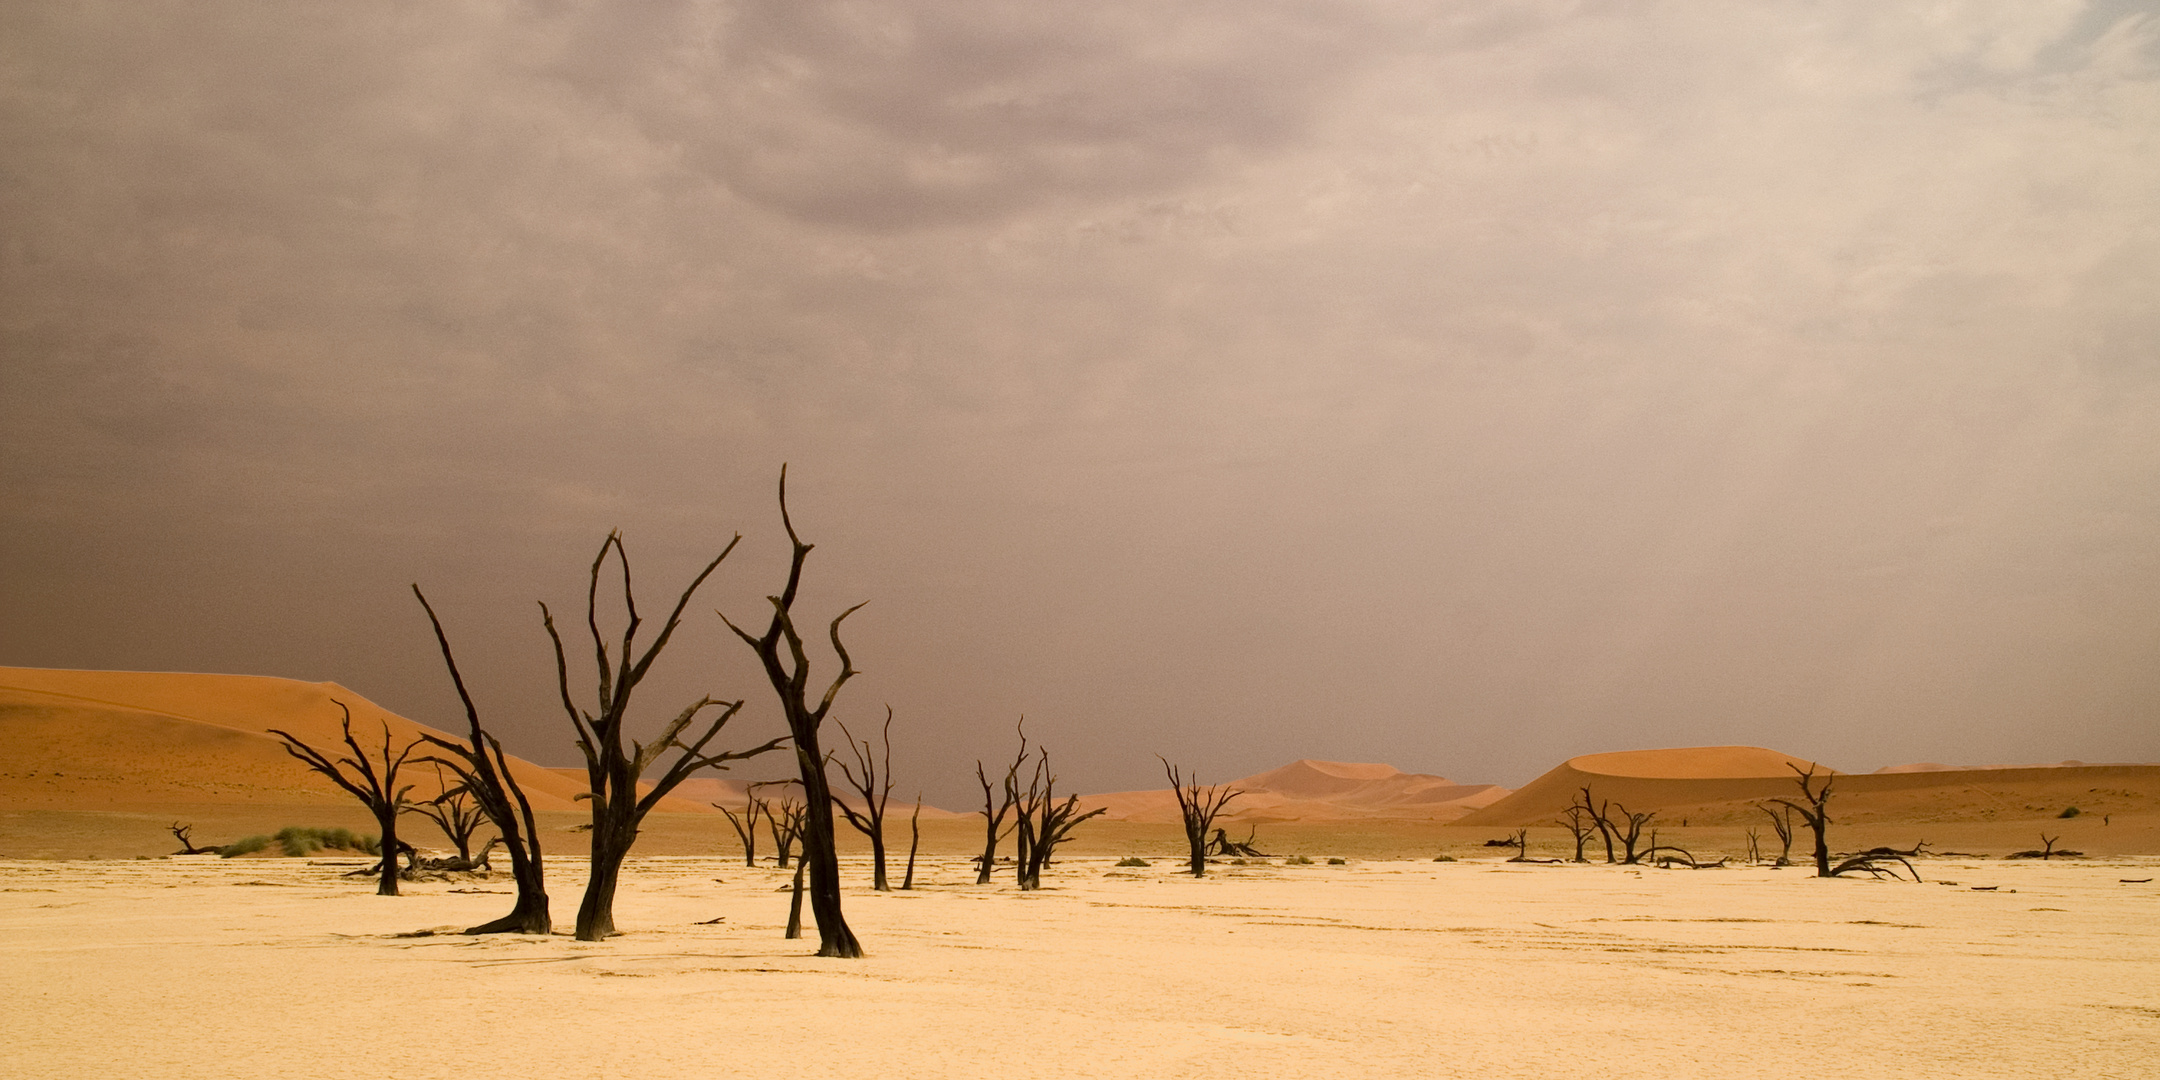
(203, 968)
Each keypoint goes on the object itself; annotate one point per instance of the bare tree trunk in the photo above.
(914, 842)
(789, 676)
(387, 825)
(596, 912)
(794, 907)
(835, 937)
(485, 772)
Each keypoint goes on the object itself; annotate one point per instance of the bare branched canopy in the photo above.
(1198, 806)
(613, 768)
(358, 774)
(484, 771)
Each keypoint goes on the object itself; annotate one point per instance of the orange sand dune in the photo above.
(1307, 790)
(709, 793)
(1723, 784)
(96, 740)
(1936, 766)
(1643, 779)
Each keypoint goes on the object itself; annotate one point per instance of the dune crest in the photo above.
(1722, 785)
(1310, 790)
(96, 740)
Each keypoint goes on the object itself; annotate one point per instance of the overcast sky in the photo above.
(1463, 386)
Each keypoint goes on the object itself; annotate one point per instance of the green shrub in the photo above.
(1132, 860)
(1338, 862)
(1297, 860)
(247, 845)
(2072, 812)
(1443, 858)
(296, 841)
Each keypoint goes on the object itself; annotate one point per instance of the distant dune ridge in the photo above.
(134, 740)
(1721, 785)
(143, 741)
(1307, 790)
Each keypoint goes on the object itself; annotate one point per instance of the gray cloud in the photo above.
(1242, 382)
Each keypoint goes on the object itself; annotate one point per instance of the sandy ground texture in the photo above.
(210, 968)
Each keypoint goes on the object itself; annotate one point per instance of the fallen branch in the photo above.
(1876, 865)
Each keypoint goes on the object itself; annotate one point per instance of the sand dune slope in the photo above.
(1308, 790)
(121, 740)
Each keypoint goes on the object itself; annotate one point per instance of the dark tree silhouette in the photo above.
(1579, 826)
(484, 771)
(1781, 823)
(377, 790)
(187, 846)
(611, 769)
(1043, 822)
(914, 842)
(1598, 811)
(745, 826)
(1628, 829)
(455, 812)
(784, 819)
(997, 803)
(1222, 845)
(790, 678)
(1198, 807)
(871, 777)
(1815, 814)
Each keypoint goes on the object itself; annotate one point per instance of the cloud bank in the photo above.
(1235, 381)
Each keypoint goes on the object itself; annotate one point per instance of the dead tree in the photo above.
(871, 777)
(790, 678)
(783, 819)
(745, 827)
(914, 841)
(1781, 824)
(187, 846)
(1578, 824)
(612, 770)
(1629, 833)
(1198, 807)
(1043, 822)
(2046, 851)
(1597, 811)
(461, 863)
(997, 804)
(1223, 845)
(1667, 856)
(1815, 815)
(1521, 843)
(377, 790)
(455, 812)
(794, 907)
(484, 771)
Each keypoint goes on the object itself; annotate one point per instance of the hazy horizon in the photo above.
(1464, 389)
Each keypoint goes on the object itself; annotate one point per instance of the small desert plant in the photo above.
(1131, 860)
(247, 845)
(1443, 858)
(1297, 860)
(295, 841)
(1338, 862)
(2071, 812)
